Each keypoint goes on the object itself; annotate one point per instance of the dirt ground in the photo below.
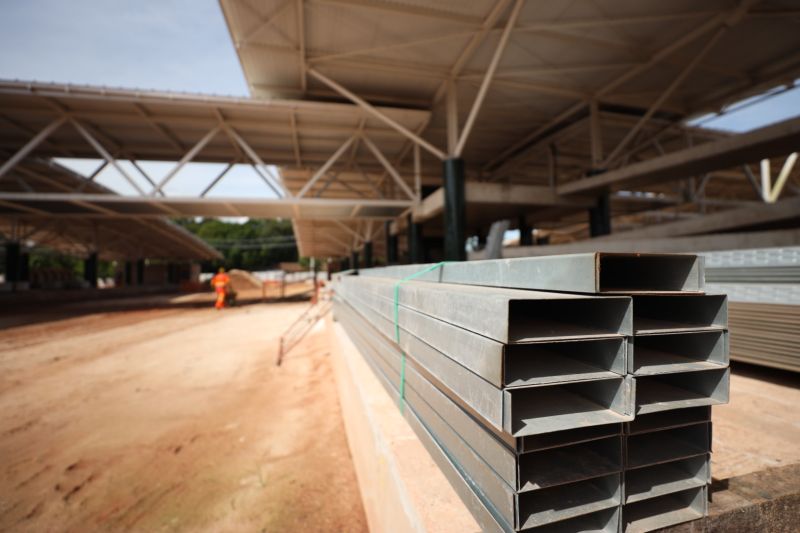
(760, 427)
(160, 414)
(170, 419)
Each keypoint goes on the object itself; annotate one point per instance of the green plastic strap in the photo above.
(397, 327)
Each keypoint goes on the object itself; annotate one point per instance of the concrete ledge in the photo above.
(403, 489)
(35, 296)
(401, 486)
(768, 500)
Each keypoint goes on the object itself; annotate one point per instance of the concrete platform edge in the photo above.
(402, 489)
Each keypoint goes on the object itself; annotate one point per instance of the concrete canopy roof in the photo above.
(157, 126)
(574, 86)
(358, 101)
(559, 58)
(79, 228)
(131, 125)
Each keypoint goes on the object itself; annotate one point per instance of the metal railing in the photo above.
(297, 331)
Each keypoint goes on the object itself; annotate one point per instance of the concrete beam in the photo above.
(483, 193)
(766, 500)
(784, 212)
(701, 243)
(64, 205)
(395, 472)
(770, 141)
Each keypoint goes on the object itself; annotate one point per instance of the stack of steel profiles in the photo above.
(667, 468)
(569, 479)
(766, 334)
(763, 286)
(521, 392)
(588, 273)
(764, 323)
(506, 366)
(777, 274)
(680, 363)
(680, 351)
(757, 265)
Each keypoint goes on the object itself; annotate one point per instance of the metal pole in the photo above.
(783, 177)
(185, 159)
(31, 145)
(140, 272)
(391, 244)
(128, 273)
(454, 213)
(12, 262)
(487, 80)
(414, 237)
(377, 114)
(24, 267)
(525, 235)
(324, 168)
(90, 269)
(600, 217)
(106, 155)
(368, 254)
(354, 256)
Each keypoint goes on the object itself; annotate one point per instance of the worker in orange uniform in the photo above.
(220, 283)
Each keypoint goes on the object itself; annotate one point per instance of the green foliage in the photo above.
(47, 259)
(258, 244)
(106, 269)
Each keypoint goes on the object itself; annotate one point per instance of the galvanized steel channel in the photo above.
(525, 394)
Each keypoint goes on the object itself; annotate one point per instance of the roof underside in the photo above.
(138, 126)
(580, 86)
(564, 62)
(622, 54)
(79, 228)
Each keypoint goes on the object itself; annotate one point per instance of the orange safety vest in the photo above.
(220, 281)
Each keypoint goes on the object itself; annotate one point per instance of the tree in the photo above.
(257, 244)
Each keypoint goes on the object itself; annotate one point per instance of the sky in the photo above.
(172, 45)
(178, 45)
(169, 45)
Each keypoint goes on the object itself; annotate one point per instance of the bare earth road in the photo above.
(171, 420)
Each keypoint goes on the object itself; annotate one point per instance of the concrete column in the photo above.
(454, 212)
(24, 267)
(13, 260)
(600, 217)
(391, 244)
(140, 272)
(433, 249)
(416, 253)
(90, 269)
(525, 234)
(368, 254)
(173, 273)
(128, 273)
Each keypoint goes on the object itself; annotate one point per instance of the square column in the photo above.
(454, 211)
(90, 269)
